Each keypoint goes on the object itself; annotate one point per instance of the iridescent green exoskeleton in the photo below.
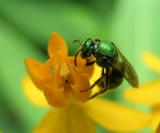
(115, 67)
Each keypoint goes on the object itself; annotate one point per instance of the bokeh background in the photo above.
(25, 28)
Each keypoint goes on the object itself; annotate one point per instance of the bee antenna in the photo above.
(75, 59)
(77, 41)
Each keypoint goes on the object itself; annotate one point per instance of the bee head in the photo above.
(87, 48)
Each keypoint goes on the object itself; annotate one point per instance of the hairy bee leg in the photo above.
(94, 84)
(104, 79)
(98, 93)
(108, 78)
(102, 72)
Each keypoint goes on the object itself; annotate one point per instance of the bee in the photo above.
(115, 66)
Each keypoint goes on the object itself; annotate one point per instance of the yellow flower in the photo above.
(148, 93)
(60, 82)
(57, 77)
(152, 61)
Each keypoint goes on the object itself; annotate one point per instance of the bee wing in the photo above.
(129, 72)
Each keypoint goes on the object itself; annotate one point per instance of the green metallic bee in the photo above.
(115, 67)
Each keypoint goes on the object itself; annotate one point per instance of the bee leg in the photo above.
(90, 63)
(105, 81)
(106, 78)
(102, 72)
(95, 83)
(101, 91)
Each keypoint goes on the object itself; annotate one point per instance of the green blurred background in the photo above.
(25, 28)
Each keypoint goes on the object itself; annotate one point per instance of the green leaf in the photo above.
(14, 47)
(38, 20)
(136, 29)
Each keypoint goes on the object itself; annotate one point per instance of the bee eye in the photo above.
(86, 49)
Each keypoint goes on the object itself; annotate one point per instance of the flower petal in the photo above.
(54, 91)
(78, 84)
(33, 93)
(147, 93)
(34, 69)
(151, 61)
(115, 117)
(86, 70)
(65, 121)
(57, 46)
(47, 69)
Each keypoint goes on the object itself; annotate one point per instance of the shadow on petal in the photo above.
(155, 120)
(158, 129)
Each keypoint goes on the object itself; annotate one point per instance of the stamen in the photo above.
(64, 73)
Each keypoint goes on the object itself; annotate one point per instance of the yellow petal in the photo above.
(57, 46)
(155, 120)
(33, 93)
(115, 117)
(96, 74)
(66, 121)
(151, 61)
(147, 93)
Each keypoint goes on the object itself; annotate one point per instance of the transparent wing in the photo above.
(129, 72)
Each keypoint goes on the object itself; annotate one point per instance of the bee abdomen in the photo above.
(112, 80)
